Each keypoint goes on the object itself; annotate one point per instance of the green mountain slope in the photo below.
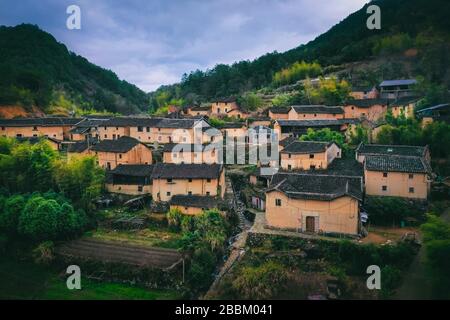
(37, 70)
(404, 24)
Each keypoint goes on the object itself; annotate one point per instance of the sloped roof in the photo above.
(77, 147)
(201, 108)
(397, 164)
(186, 171)
(176, 123)
(433, 108)
(316, 187)
(232, 125)
(405, 82)
(121, 145)
(281, 110)
(320, 109)
(315, 123)
(306, 147)
(196, 201)
(131, 122)
(168, 147)
(367, 103)
(380, 149)
(44, 122)
(135, 170)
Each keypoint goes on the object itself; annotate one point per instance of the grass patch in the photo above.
(151, 237)
(25, 280)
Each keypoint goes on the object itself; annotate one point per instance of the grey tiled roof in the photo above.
(282, 110)
(321, 109)
(306, 147)
(123, 144)
(196, 201)
(186, 171)
(45, 122)
(316, 187)
(405, 82)
(135, 170)
(380, 149)
(315, 123)
(77, 147)
(367, 103)
(397, 164)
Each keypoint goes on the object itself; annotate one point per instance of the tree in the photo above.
(326, 135)
(10, 212)
(359, 135)
(250, 101)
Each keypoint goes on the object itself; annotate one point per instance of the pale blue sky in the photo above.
(150, 43)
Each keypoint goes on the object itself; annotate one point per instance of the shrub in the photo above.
(262, 282)
(392, 210)
(174, 218)
(10, 212)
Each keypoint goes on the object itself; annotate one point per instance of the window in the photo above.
(120, 156)
(411, 190)
(278, 202)
(353, 108)
(226, 110)
(289, 155)
(312, 167)
(315, 114)
(289, 167)
(384, 174)
(311, 156)
(34, 128)
(106, 136)
(169, 180)
(384, 188)
(140, 129)
(208, 193)
(190, 180)
(148, 129)
(168, 193)
(208, 180)
(114, 136)
(140, 188)
(117, 128)
(411, 176)
(105, 128)
(190, 193)
(3, 128)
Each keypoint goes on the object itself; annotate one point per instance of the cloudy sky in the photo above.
(153, 42)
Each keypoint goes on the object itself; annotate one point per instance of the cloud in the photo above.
(151, 43)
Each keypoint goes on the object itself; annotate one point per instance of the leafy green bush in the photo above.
(44, 253)
(392, 210)
(11, 209)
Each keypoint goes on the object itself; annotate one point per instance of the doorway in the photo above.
(310, 224)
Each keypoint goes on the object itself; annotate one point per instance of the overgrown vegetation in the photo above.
(391, 211)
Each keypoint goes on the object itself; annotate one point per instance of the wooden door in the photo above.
(310, 224)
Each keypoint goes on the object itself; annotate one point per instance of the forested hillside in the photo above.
(36, 70)
(420, 25)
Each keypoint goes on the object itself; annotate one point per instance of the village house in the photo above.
(440, 112)
(78, 148)
(237, 113)
(199, 111)
(222, 106)
(115, 128)
(364, 92)
(187, 179)
(51, 127)
(130, 179)
(124, 150)
(279, 113)
(314, 203)
(53, 143)
(234, 131)
(395, 89)
(370, 109)
(179, 131)
(193, 204)
(192, 153)
(404, 107)
(396, 171)
(87, 128)
(305, 155)
(315, 112)
(259, 121)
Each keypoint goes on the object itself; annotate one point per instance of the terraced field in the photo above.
(109, 251)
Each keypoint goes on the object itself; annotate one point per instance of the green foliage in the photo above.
(202, 267)
(174, 218)
(359, 135)
(393, 44)
(79, 179)
(436, 235)
(281, 100)
(44, 218)
(34, 68)
(10, 210)
(250, 101)
(297, 71)
(390, 279)
(326, 135)
(215, 122)
(330, 91)
(391, 210)
(262, 282)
